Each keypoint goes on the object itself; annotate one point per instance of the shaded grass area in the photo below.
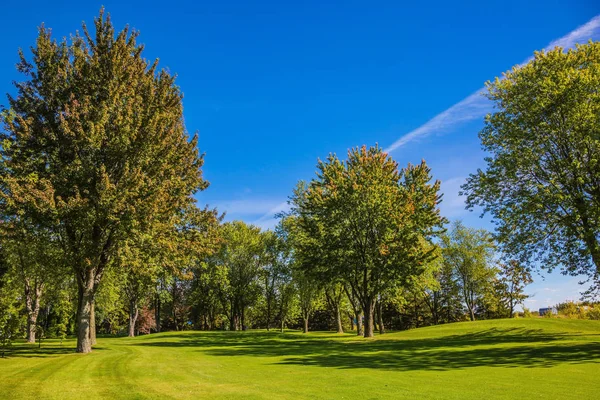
(495, 359)
(512, 347)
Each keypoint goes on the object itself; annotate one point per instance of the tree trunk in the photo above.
(232, 323)
(338, 320)
(31, 326)
(360, 331)
(305, 323)
(93, 323)
(268, 315)
(84, 312)
(356, 308)
(32, 306)
(243, 319)
(380, 318)
(368, 310)
(133, 316)
(157, 314)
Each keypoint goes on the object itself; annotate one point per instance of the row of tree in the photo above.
(254, 280)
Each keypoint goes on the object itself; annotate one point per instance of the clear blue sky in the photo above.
(272, 86)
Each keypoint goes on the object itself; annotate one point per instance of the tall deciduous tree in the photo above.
(365, 221)
(242, 256)
(310, 295)
(94, 147)
(542, 180)
(513, 279)
(469, 253)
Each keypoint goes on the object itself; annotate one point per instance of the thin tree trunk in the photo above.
(243, 318)
(157, 314)
(338, 320)
(133, 316)
(356, 308)
(174, 306)
(93, 323)
(232, 320)
(380, 318)
(471, 308)
(305, 323)
(268, 314)
(269, 297)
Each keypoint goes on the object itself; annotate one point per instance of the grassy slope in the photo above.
(501, 359)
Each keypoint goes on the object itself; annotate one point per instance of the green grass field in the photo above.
(499, 359)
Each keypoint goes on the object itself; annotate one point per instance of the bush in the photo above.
(569, 309)
(594, 313)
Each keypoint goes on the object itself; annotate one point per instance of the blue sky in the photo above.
(272, 86)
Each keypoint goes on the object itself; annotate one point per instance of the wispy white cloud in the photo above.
(453, 205)
(477, 106)
(268, 220)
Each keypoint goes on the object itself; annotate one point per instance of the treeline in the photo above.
(255, 280)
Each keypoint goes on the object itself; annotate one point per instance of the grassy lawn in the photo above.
(500, 359)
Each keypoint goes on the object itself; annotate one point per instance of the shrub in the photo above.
(594, 313)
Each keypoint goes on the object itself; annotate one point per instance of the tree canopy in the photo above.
(542, 180)
(94, 148)
(367, 222)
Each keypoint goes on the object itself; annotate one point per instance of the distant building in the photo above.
(547, 310)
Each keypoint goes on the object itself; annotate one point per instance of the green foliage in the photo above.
(578, 310)
(95, 150)
(110, 305)
(594, 313)
(469, 253)
(365, 222)
(511, 285)
(241, 257)
(541, 179)
(10, 307)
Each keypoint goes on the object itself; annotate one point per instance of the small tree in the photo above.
(513, 279)
(309, 296)
(469, 253)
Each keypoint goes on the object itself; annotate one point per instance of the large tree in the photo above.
(542, 180)
(366, 222)
(94, 148)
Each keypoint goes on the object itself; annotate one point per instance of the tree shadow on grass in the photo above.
(25, 350)
(507, 348)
